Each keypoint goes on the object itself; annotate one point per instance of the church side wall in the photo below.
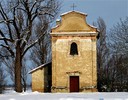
(53, 63)
(38, 80)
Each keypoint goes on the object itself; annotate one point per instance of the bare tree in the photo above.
(41, 50)
(18, 20)
(102, 54)
(118, 45)
(112, 50)
(24, 75)
(2, 78)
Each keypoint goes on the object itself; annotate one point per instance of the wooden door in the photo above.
(74, 83)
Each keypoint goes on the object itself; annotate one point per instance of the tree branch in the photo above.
(8, 48)
(14, 23)
(1, 33)
(6, 20)
(5, 17)
(33, 6)
(32, 44)
(6, 39)
(6, 56)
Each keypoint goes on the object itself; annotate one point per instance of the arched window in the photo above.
(73, 49)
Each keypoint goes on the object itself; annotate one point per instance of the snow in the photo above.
(39, 67)
(65, 96)
(57, 19)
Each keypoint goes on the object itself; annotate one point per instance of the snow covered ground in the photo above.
(65, 96)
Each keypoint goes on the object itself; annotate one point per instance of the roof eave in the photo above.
(39, 67)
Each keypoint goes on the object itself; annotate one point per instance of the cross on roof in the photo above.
(73, 6)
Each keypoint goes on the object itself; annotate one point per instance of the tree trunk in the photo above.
(18, 66)
(24, 84)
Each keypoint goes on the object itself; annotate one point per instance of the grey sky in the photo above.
(110, 10)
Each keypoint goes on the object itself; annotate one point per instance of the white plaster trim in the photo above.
(74, 73)
(74, 33)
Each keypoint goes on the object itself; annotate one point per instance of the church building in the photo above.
(74, 65)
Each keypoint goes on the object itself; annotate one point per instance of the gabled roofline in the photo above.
(39, 67)
(73, 11)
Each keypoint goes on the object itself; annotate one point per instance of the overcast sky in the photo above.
(110, 10)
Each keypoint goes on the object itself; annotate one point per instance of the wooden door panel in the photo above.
(74, 83)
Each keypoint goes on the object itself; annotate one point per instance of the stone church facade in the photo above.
(73, 67)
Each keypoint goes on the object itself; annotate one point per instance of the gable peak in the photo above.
(73, 11)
